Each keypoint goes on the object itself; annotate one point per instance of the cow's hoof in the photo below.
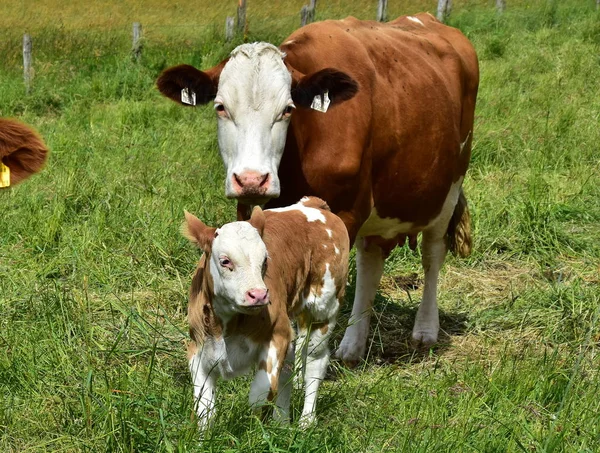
(306, 421)
(350, 353)
(422, 338)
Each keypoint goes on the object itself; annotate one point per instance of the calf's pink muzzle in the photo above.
(256, 297)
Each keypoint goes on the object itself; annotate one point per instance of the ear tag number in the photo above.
(321, 103)
(188, 96)
(4, 176)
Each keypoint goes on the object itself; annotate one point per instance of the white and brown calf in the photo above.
(254, 278)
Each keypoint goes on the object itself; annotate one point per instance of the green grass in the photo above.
(94, 274)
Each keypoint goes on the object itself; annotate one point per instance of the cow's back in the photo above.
(302, 247)
(415, 106)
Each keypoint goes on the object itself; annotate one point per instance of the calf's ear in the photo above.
(197, 232)
(339, 85)
(257, 219)
(189, 86)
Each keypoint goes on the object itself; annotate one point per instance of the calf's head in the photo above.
(236, 259)
(254, 95)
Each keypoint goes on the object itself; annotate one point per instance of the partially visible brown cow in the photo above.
(376, 119)
(22, 152)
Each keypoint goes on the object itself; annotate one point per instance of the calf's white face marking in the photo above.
(237, 265)
(253, 103)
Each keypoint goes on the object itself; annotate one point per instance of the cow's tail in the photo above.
(459, 229)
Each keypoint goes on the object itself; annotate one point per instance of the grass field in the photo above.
(94, 274)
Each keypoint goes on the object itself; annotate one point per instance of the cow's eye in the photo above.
(226, 262)
(220, 109)
(288, 111)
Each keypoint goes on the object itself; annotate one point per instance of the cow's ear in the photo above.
(22, 151)
(339, 85)
(257, 219)
(197, 232)
(189, 86)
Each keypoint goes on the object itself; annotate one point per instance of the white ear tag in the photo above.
(188, 96)
(321, 104)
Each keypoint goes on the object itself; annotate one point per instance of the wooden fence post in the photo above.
(229, 27)
(382, 11)
(241, 16)
(27, 76)
(136, 47)
(307, 13)
(500, 5)
(443, 10)
(304, 16)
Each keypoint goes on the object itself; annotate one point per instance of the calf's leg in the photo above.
(264, 387)
(317, 359)
(369, 269)
(286, 378)
(203, 380)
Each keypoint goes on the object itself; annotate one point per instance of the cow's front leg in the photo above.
(203, 380)
(369, 269)
(266, 381)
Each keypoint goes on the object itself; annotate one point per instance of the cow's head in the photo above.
(254, 95)
(236, 259)
(22, 152)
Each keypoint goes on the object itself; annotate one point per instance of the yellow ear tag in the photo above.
(4, 176)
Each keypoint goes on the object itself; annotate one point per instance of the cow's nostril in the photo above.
(264, 181)
(238, 180)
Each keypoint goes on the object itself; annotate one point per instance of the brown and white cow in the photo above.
(389, 154)
(22, 152)
(254, 277)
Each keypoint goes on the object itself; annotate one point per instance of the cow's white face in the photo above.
(237, 265)
(253, 105)
(254, 95)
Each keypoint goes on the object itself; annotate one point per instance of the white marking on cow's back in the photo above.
(312, 214)
(387, 227)
(337, 251)
(415, 20)
(329, 232)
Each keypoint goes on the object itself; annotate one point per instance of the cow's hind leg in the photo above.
(317, 359)
(369, 269)
(433, 252)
